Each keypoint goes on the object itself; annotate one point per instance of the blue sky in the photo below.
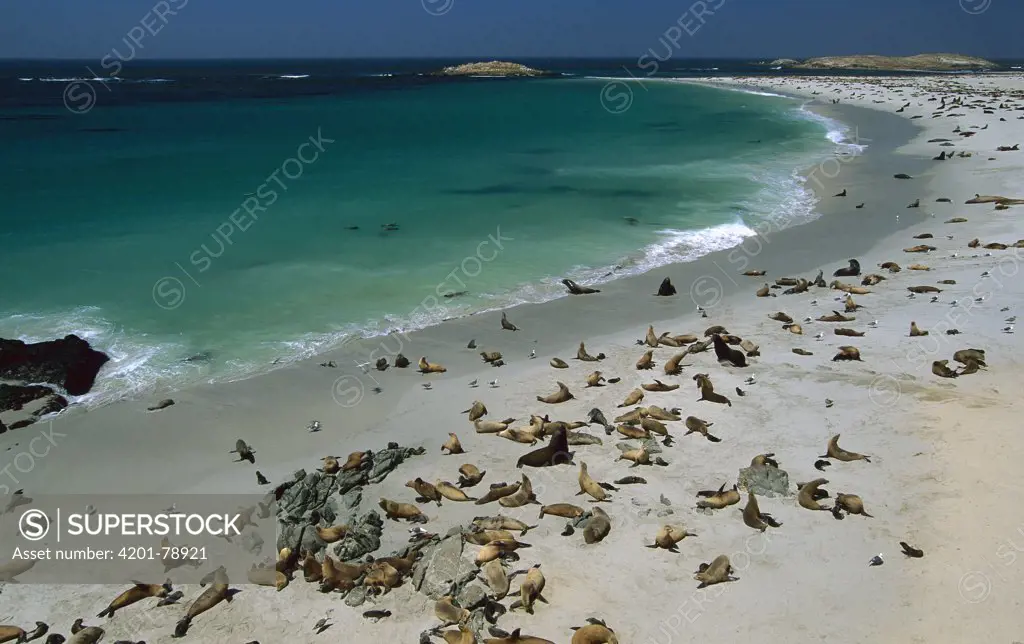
(510, 28)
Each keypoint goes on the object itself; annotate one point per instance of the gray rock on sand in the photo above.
(363, 537)
(764, 480)
(445, 567)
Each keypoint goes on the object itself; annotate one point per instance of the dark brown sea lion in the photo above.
(245, 453)
(506, 325)
(707, 390)
(781, 317)
(847, 353)
(576, 289)
(834, 451)
(725, 353)
(666, 289)
(941, 369)
(556, 452)
(716, 572)
(215, 594)
(714, 330)
(849, 332)
(852, 270)
(892, 267)
(401, 362)
(924, 289)
(426, 492)
(754, 273)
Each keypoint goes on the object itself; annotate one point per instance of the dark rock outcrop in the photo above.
(14, 397)
(69, 363)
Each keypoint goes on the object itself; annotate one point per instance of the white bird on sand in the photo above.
(313, 426)
(427, 385)
(1008, 329)
(980, 299)
(873, 324)
(820, 336)
(493, 383)
(808, 319)
(985, 274)
(473, 384)
(533, 353)
(953, 303)
(876, 560)
(1011, 319)
(814, 302)
(365, 366)
(750, 381)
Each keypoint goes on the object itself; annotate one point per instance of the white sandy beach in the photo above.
(943, 451)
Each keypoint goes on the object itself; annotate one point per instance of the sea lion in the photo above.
(556, 452)
(948, 282)
(965, 356)
(382, 364)
(795, 329)
(215, 594)
(707, 390)
(595, 379)
(995, 246)
(918, 267)
(498, 491)
(492, 426)
(801, 287)
(654, 426)
(847, 353)
(924, 289)
(914, 331)
(666, 289)
(672, 367)
(717, 329)
(668, 536)
(498, 548)
(163, 404)
(589, 486)
(427, 367)
(581, 354)
(337, 532)
(834, 451)
(530, 590)
(506, 325)
(650, 339)
(559, 396)
(12, 634)
(42, 628)
(452, 493)
(911, 551)
(470, 475)
(520, 497)
(558, 363)
(764, 291)
(639, 456)
(902, 176)
(461, 636)
(244, 451)
(312, 571)
(646, 361)
(267, 577)
(597, 527)
(631, 431)
(849, 332)
(920, 248)
(564, 510)
(851, 503)
(781, 317)
(725, 353)
(956, 220)
(502, 523)
(853, 270)
(490, 356)
(632, 398)
(446, 611)
(395, 511)
(696, 425)
(754, 518)
(666, 340)
(716, 572)
(596, 632)
(940, 369)
(496, 579)
(765, 460)
(452, 445)
(754, 273)
(354, 461)
(519, 436)
(751, 348)
(835, 317)
(477, 411)
(716, 500)
(576, 289)
(331, 465)
(849, 305)
(807, 495)
(381, 577)
(802, 352)
(93, 634)
(974, 243)
(401, 362)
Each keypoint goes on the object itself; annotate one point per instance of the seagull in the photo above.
(493, 383)
(377, 390)
(985, 274)
(365, 366)
(427, 385)
(828, 403)
(820, 336)
(90, 510)
(910, 296)
(172, 509)
(313, 426)
(876, 560)
(533, 353)
(473, 384)
(953, 303)
(980, 299)
(949, 237)
(1011, 319)
(808, 319)
(750, 381)
(1008, 329)
(873, 324)
(814, 302)
(935, 298)
(1004, 309)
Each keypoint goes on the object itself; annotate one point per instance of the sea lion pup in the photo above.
(966, 356)
(477, 411)
(672, 367)
(563, 394)
(632, 398)
(639, 456)
(646, 361)
(707, 390)
(470, 475)
(696, 425)
(581, 354)
(576, 289)
(597, 527)
(716, 572)
(558, 363)
(215, 594)
(725, 353)
(589, 486)
(427, 367)
(849, 332)
(446, 611)
(452, 445)
(752, 349)
(312, 570)
(337, 532)
(754, 518)
(764, 291)
(914, 331)
(530, 590)
(666, 289)
(523, 496)
(849, 305)
(354, 461)
(781, 317)
(267, 577)
(245, 453)
(502, 523)
(795, 329)
(395, 511)
(940, 369)
(924, 289)
(658, 413)
(401, 362)
(556, 452)
(853, 270)
(807, 495)
(716, 500)
(498, 491)
(492, 426)
(835, 317)
(12, 634)
(847, 353)
(426, 492)
(834, 451)
(851, 503)
(564, 510)
(490, 356)
(90, 635)
(595, 379)
(668, 536)
(765, 460)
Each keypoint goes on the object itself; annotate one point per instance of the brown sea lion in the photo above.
(920, 248)
(490, 356)
(632, 398)
(498, 491)
(581, 354)
(312, 570)
(470, 475)
(482, 537)
(520, 497)
(631, 431)
(335, 532)
(650, 339)
(795, 329)
(918, 267)
(716, 572)
(965, 356)
(564, 510)
(698, 426)
(835, 317)
(452, 445)
(496, 578)
(215, 594)
(941, 369)
(914, 331)
(654, 426)
(851, 503)
(849, 333)
(924, 289)
(669, 535)
(427, 367)
(847, 353)
(395, 511)
(452, 493)
(530, 590)
(93, 634)
(716, 500)
(589, 486)
(892, 267)
(519, 435)
(717, 329)
(496, 549)
(596, 632)
(646, 361)
(558, 363)
(658, 386)
(492, 426)
(476, 411)
(754, 273)
(136, 593)
(559, 396)
(786, 281)
(754, 518)
(849, 305)
(401, 362)
(502, 523)
(672, 367)
(871, 280)
(765, 460)
(803, 352)
(658, 413)
(751, 348)
(707, 390)
(834, 451)
(381, 577)
(764, 291)
(639, 456)
(446, 611)
(12, 634)
(595, 379)
(267, 577)
(516, 636)
(995, 246)
(556, 452)
(354, 461)
(781, 317)
(807, 494)
(597, 527)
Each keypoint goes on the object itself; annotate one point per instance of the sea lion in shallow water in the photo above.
(840, 454)
(563, 394)
(666, 289)
(716, 572)
(576, 289)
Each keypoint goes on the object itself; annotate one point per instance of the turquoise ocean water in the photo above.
(118, 224)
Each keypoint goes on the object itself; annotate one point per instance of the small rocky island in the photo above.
(920, 62)
(492, 68)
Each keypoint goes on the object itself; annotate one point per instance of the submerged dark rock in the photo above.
(69, 363)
